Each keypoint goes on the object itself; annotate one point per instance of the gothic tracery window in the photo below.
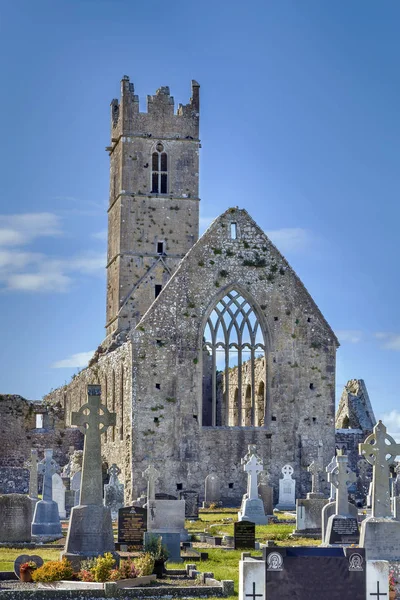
(234, 365)
(159, 170)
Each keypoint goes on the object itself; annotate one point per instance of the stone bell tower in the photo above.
(153, 214)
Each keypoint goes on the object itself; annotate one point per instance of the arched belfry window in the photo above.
(159, 170)
(234, 365)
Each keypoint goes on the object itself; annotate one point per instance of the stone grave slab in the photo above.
(76, 486)
(304, 573)
(309, 516)
(171, 540)
(212, 490)
(166, 515)
(132, 525)
(59, 494)
(287, 490)
(244, 535)
(15, 518)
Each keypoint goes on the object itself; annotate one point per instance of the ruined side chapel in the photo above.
(212, 343)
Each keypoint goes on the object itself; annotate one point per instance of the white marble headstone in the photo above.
(59, 494)
(287, 490)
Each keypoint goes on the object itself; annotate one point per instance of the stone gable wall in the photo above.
(167, 367)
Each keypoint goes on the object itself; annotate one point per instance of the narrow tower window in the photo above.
(160, 247)
(157, 290)
(233, 231)
(159, 175)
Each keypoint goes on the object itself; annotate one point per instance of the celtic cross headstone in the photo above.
(380, 533)
(342, 527)
(90, 531)
(287, 489)
(315, 468)
(329, 468)
(380, 449)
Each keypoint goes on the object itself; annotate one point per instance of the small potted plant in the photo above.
(159, 552)
(25, 571)
(392, 586)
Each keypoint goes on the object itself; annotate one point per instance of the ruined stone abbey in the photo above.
(212, 343)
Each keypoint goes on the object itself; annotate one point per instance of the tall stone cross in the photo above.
(315, 469)
(253, 467)
(329, 468)
(47, 467)
(380, 455)
(341, 478)
(151, 474)
(92, 418)
(33, 475)
(113, 472)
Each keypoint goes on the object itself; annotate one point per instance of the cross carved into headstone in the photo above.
(329, 468)
(378, 594)
(253, 596)
(379, 453)
(253, 467)
(93, 419)
(151, 474)
(315, 469)
(47, 467)
(341, 477)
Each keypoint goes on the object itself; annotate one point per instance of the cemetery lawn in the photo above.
(279, 532)
(8, 555)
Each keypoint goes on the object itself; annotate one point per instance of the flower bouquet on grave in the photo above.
(25, 571)
(392, 586)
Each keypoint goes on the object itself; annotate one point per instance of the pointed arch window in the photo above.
(234, 364)
(159, 170)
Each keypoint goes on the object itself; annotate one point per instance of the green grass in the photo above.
(8, 555)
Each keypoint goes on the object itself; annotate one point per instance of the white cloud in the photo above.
(289, 239)
(19, 230)
(353, 336)
(80, 359)
(38, 282)
(390, 340)
(391, 420)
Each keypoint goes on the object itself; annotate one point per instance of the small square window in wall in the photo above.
(179, 486)
(158, 386)
(230, 486)
(157, 290)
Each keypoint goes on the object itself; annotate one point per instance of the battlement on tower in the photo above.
(160, 119)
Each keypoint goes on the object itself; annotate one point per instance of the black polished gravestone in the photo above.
(244, 534)
(301, 573)
(132, 524)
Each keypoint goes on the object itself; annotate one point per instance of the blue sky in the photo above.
(299, 125)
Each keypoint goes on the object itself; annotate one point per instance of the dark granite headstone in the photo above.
(191, 499)
(132, 524)
(343, 530)
(244, 534)
(304, 573)
(15, 518)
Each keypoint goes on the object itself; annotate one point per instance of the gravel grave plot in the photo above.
(13, 584)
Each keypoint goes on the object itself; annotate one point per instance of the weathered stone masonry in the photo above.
(163, 283)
